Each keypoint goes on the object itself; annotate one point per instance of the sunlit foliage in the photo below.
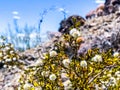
(63, 69)
(8, 56)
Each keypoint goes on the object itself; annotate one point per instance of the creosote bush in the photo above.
(63, 69)
(8, 55)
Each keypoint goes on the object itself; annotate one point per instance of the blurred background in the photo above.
(26, 22)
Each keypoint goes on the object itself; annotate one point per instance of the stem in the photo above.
(106, 68)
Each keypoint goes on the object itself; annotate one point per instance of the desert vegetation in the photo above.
(74, 60)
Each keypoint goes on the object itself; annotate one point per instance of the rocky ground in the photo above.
(9, 78)
(102, 32)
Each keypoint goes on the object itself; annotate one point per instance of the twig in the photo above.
(106, 68)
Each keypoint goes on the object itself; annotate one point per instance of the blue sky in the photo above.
(29, 12)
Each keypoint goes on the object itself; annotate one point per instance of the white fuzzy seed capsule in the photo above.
(66, 62)
(7, 48)
(3, 61)
(8, 60)
(5, 57)
(5, 66)
(52, 77)
(45, 73)
(27, 86)
(67, 83)
(75, 33)
(39, 62)
(14, 58)
(116, 54)
(53, 53)
(97, 58)
(9, 67)
(11, 52)
(83, 64)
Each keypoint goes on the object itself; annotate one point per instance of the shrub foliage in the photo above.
(63, 69)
